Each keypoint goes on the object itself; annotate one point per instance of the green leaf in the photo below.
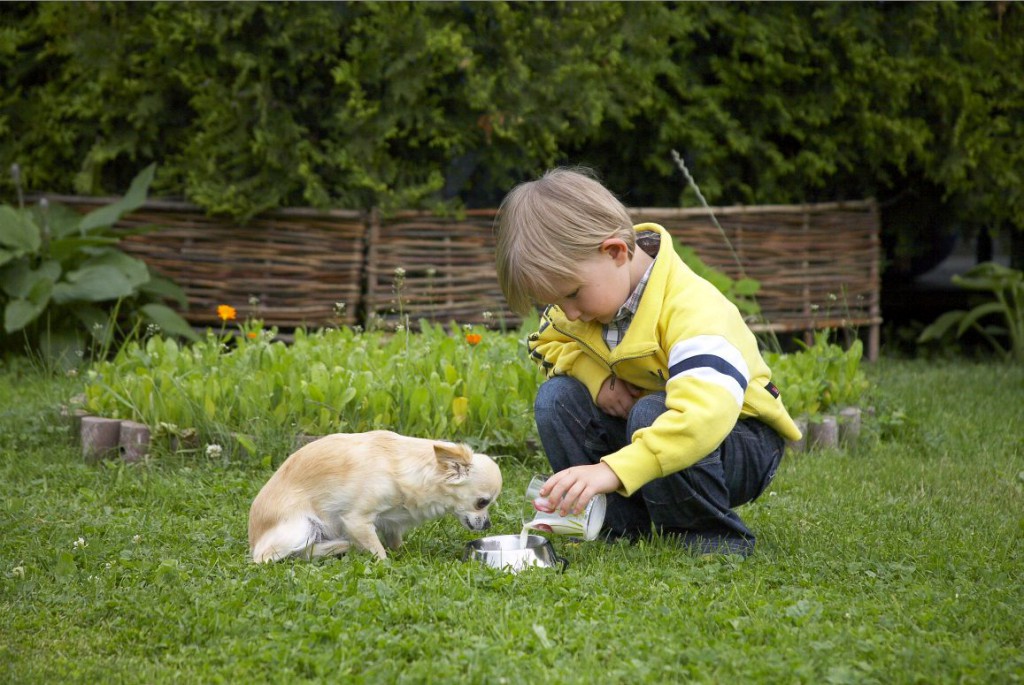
(19, 313)
(169, 321)
(747, 286)
(59, 219)
(132, 200)
(134, 270)
(93, 284)
(165, 288)
(978, 312)
(346, 397)
(18, 279)
(18, 231)
(22, 311)
(72, 248)
(938, 328)
(246, 442)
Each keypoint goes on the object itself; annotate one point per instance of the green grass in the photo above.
(898, 562)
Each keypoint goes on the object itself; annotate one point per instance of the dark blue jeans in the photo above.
(694, 505)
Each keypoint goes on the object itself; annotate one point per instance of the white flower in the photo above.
(18, 571)
(136, 539)
(80, 543)
(213, 451)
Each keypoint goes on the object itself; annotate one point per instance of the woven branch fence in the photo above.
(818, 264)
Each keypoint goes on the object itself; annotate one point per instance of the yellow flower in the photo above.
(226, 312)
(474, 338)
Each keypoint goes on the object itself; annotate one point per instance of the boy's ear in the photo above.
(617, 249)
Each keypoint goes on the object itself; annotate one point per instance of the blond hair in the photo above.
(546, 228)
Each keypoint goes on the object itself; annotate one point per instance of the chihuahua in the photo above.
(364, 489)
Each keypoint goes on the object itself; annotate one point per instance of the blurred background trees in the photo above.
(251, 106)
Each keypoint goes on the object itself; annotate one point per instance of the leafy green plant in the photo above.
(741, 292)
(64, 281)
(999, 320)
(820, 377)
(472, 385)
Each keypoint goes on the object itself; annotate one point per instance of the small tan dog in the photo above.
(357, 489)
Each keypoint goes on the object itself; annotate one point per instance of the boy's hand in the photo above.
(617, 397)
(574, 487)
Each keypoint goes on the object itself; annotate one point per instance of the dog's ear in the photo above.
(453, 461)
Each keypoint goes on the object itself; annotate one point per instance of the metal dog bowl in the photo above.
(505, 552)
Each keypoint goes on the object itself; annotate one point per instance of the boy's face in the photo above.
(601, 288)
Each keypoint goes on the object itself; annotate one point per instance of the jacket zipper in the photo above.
(611, 366)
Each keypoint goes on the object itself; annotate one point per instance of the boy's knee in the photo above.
(556, 390)
(645, 411)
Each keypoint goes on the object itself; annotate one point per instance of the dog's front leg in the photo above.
(392, 537)
(364, 534)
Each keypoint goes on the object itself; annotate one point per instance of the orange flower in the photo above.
(252, 335)
(474, 338)
(226, 312)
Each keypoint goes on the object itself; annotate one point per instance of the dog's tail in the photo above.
(303, 536)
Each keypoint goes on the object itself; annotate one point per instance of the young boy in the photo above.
(656, 392)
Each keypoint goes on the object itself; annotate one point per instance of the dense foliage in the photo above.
(248, 106)
(476, 386)
(243, 388)
(67, 288)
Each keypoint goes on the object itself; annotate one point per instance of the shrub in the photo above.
(250, 106)
(64, 281)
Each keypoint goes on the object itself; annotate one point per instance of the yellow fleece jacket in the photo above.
(688, 340)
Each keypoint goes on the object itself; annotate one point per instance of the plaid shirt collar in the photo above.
(615, 331)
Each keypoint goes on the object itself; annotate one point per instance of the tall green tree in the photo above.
(250, 106)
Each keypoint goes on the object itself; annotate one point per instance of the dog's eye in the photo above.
(482, 503)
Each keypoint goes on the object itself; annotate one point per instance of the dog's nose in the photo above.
(487, 524)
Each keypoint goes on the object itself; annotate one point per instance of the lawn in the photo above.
(899, 561)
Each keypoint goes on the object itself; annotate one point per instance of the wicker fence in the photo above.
(818, 264)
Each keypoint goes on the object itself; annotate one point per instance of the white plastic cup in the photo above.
(586, 524)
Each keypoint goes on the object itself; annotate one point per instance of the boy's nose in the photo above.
(571, 313)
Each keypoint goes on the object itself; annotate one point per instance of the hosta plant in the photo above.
(66, 288)
(999, 319)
